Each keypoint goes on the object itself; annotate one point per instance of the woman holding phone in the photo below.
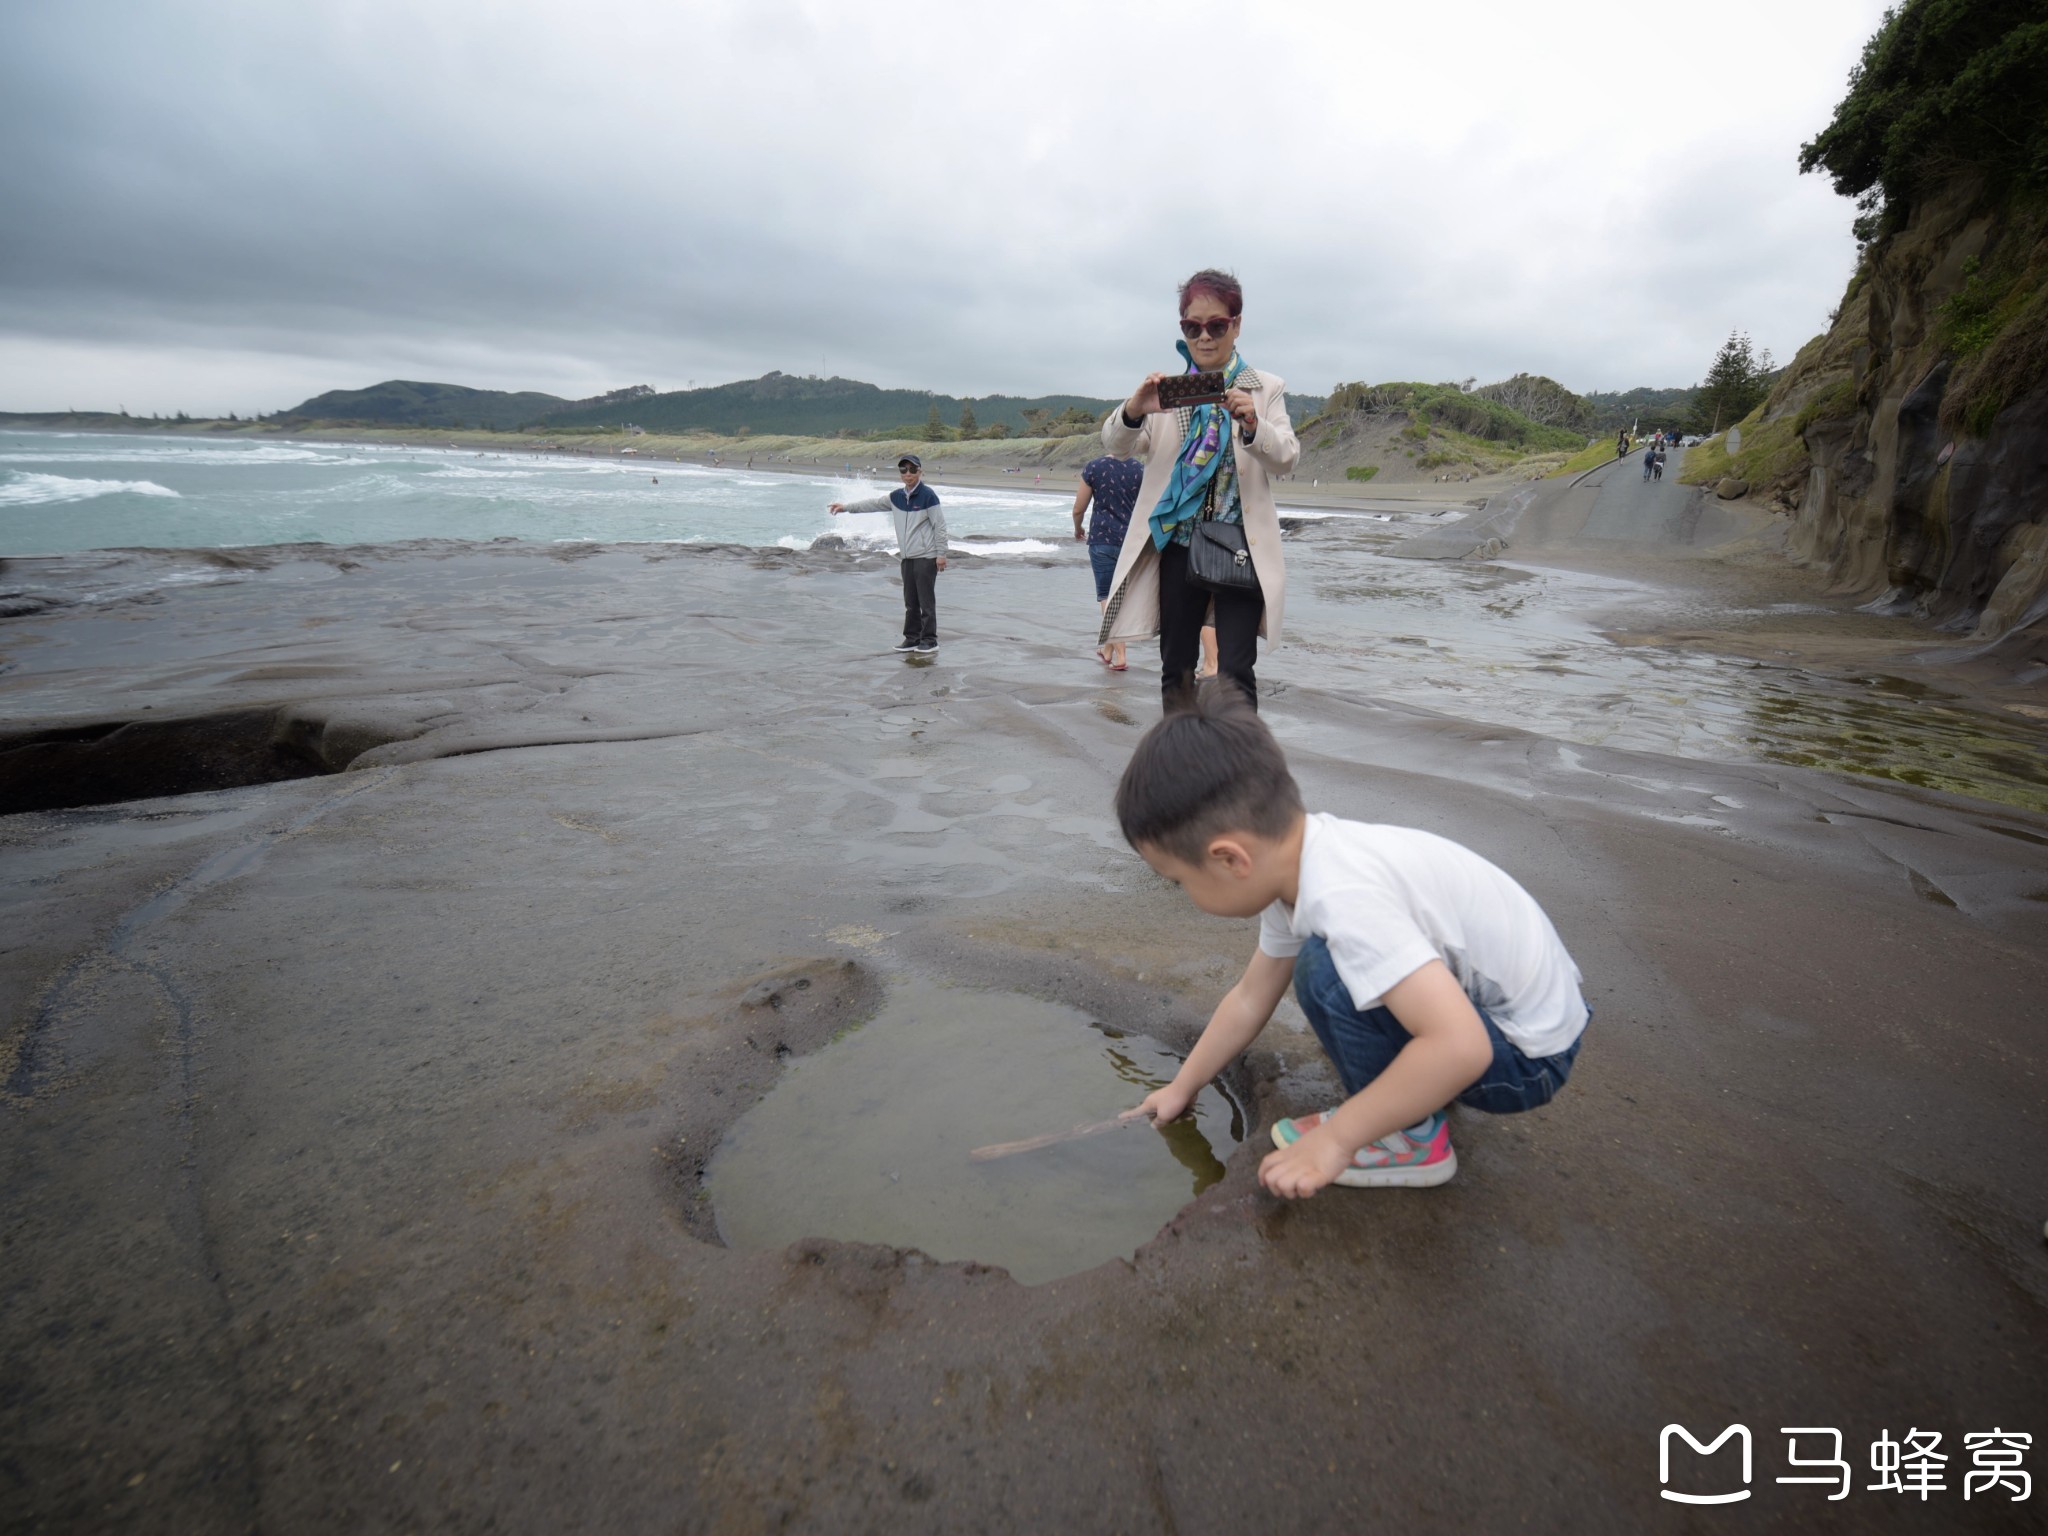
(1211, 460)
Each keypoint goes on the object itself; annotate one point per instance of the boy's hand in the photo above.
(1162, 1104)
(1299, 1171)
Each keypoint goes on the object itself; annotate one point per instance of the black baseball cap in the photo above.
(911, 459)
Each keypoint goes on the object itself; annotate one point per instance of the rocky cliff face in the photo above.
(1910, 442)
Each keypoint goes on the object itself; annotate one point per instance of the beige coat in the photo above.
(1133, 609)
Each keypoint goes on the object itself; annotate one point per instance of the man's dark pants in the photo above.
(921, 601)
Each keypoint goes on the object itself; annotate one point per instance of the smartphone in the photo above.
(1190, 389)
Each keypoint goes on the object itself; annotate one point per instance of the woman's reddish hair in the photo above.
(1220, 286)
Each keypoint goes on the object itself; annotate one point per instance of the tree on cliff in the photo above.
(1941, 84)
(1736, 383)
(934, 429)
(968, 425)
(1540, 399)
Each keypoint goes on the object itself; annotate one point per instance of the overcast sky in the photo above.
(223, 206)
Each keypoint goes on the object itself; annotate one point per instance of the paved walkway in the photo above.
(1654, 511)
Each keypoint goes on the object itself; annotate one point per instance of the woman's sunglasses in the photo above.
(1217, 329)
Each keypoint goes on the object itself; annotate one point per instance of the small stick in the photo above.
(1054, 1138)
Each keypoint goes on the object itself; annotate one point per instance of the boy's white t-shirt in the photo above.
(1388, 900)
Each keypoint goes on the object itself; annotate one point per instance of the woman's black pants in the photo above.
(1183, 607)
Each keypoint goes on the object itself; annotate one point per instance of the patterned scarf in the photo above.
(1201, 455)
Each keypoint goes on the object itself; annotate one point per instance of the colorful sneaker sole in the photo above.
(1420, 1173)
(1402, 1175)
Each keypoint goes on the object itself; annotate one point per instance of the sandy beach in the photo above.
(357, 1124)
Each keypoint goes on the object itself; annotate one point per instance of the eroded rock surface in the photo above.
(353, 1123)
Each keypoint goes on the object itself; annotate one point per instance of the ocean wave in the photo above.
(883, 541)
(170, 453)
(33, 490)
(1006, 547)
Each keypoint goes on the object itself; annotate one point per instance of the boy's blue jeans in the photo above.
(1363, 1043)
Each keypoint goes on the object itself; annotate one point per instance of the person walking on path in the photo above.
(1202, 463)
(921, 543)
(1112, 484)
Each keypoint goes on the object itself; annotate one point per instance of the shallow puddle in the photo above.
(869, 1140)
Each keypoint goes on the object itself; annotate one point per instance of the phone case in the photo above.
(1190, 389)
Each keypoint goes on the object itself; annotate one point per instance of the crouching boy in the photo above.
(1427, 973)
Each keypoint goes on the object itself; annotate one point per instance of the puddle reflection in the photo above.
(869, 1139)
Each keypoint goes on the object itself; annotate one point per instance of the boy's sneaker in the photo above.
(906, 645)
(1399, 1159)
(929, 648)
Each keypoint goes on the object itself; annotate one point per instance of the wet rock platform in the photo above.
(355, 1123)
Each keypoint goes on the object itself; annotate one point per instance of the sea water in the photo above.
(64, 492)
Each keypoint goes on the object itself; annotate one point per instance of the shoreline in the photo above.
(1720, 587)
(981, 464)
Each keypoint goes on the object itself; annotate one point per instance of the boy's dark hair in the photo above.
(1209, 767)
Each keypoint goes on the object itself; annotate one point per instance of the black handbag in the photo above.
(1219, 560)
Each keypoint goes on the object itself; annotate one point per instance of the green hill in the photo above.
(404, 403)
(810, 407)
(775, 403)
(815, 407)
(1447, 406)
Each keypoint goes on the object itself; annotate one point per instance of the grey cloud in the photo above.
(666, 195)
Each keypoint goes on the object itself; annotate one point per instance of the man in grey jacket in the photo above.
(921, 541)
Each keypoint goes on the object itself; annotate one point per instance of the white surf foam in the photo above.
(118, 452)
(33, 490)
(1006, 547)
(465, 472)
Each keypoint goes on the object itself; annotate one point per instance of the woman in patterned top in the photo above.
(1112, 485)
(1207, 461)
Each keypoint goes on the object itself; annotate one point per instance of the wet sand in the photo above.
(356, 1124)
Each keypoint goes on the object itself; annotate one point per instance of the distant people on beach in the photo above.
(1208, 477)
(921, 544)
(1112, 485)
